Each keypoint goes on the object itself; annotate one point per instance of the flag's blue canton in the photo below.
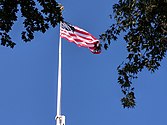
(68, 27)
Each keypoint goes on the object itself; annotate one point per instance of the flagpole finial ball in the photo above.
(61, 7)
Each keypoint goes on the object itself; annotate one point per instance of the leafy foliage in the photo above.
(144, 23)
(35, 19)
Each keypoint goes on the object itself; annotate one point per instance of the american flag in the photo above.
(80, 37)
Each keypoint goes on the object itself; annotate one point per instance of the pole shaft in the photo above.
(59, 80)
(60, 119)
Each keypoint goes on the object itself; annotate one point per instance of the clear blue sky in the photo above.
(91, 95)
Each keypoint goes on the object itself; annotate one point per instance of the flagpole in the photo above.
(60, 119)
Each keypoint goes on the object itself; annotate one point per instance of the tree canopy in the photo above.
(144, 25)
(37, 18)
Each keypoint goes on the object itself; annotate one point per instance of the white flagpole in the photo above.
(60, 119)
(59, 81)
